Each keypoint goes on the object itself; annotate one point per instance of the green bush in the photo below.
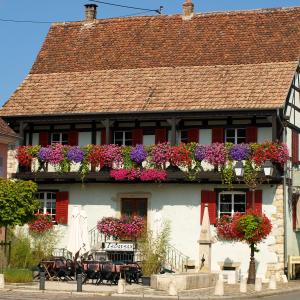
(153, 249)
(22, 256)
(18, 276)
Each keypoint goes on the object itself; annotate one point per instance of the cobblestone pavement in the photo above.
(65, 290)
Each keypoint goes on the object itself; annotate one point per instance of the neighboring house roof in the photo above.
(5, 130)
(224, 60)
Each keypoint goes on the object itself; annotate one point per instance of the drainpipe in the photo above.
(285, 194)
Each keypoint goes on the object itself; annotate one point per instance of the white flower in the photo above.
(183, 168)
(116, 165)
(206, 166)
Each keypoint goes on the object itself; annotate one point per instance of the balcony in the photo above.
(193, 163)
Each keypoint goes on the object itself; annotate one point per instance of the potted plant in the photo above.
(153, 251)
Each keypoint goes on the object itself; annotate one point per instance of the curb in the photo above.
(142, 295)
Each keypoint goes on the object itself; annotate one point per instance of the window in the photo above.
(183, 136)
(235, 135)
(231, 202)
(47, 203)
(123, 138)
(60, 137)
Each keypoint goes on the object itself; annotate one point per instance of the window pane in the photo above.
(230, 133)
(55, 138)
(240, 207)
(230, 140)
(118, 135)
(241, 140)
(226, 208)
(241, 198)
(128, 135)
(225, 198)
(65, 138)
(241, 132)
(184, 136)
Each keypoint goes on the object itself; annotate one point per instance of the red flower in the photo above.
(23, 156)
(41, 223)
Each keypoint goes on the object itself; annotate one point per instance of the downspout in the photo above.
(284, 140)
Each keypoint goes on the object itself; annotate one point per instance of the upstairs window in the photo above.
(123, 138)
(231, 202)
(60, 138)
(235, 135)
(47, 203)
(183, 136)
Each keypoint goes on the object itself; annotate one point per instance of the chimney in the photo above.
(90, 12)
(188, 10)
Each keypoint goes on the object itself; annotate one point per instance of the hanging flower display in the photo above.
(138, 154)
(126, 227)
(23, 156)
(141, 163)
(42, 223)
(240, 152)
(75, 154)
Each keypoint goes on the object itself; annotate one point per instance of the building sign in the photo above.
(114, 246)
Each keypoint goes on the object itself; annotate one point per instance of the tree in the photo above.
(251, 228)
(18, 202)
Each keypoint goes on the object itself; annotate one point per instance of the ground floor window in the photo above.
(47, 203)
(231, 202)
(123, 138)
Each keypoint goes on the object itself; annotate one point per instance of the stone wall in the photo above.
(277, 219)
(12, 163)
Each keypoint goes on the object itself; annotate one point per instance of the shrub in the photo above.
(18, 276)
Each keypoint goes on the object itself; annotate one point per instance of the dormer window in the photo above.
(235, 135)
(60, 138)
(123, 138)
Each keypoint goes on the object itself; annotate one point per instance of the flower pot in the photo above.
(146, 280)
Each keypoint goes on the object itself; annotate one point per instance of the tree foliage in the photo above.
(18, 202)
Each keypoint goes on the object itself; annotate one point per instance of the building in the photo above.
(207, 78)
(7, 137)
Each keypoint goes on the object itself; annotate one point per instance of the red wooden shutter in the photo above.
(210, 198)
(257, 201)
(160, 135)
(218, 135)
(137, 136)
(295, 147)
(43, 139)
(103, 136)
(73, 138)
(62, 204)
(251, 135)
(294, 210)
(193, 135)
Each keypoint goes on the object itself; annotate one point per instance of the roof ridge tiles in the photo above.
(197, 15)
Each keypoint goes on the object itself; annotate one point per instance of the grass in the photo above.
(18, 276)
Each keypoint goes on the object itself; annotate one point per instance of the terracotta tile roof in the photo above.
(217, 60)
(6, 130)
(252, 37)
(154, 89)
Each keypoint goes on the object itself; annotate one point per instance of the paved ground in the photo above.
(16, 295)
(66, 290)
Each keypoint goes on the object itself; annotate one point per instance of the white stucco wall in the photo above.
(175, 202)
(264, 134)
(84, 138)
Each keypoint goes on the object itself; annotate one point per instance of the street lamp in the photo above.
(268, 168)
(239, 169)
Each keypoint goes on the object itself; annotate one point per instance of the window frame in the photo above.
(123, 137)
(232, 193)
(43, 208)
(61, 141)
(236, 135)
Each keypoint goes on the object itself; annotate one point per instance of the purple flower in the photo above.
(75, 154)
(200, 152)
(138, 154)
(240, 152)
(45, 154)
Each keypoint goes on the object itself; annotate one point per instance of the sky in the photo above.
(21, 42)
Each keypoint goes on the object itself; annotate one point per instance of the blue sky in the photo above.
(20, 42)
